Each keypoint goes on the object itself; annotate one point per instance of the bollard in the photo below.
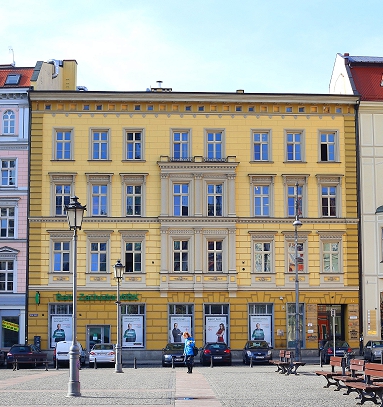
(251, 361)
(211, 361)
(135, 362)
(173, 367)
(95, 363)
(57, 364)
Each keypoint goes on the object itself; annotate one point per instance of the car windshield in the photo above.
(258, 344)
(103, 346)
(338, 344)
(219, 346)
(21, 349)
(376, 344)
(174, 346)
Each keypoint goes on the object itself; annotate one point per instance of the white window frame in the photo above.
(301, 143)
(11, 173)
(260, 143)
(60, 237)
(99, 180)
(330, 238)
(134, 236)
(290, 181)
(63, 179)
(135, 143)
(181, 142)
(10, 204)
(9, 122)
(181, 194)
(101, 143)
(64, 142)
(133, 180)
(215, 236)
(7, 273)
(214, 194)
(263, 238)
(180, 252)
(262, 181)
(101, 237)
(214, 143)
(334, 181)
(303, 251)
(327, 143)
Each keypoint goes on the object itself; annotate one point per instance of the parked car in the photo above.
(173, 351)
(102, 353)
(61, 353)
(26, 354)
(219, 351)
(257, 351)
(342, 348)
(372, 351)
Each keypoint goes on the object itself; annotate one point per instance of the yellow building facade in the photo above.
(196, 193)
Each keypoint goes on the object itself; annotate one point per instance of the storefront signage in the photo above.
(95, 297)
(10, 325)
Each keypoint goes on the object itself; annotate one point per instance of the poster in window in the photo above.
(179, 325)
(61, 329)
(216, 329)
(133, 331)
(260, 328)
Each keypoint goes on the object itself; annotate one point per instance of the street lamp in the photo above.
(118, 272)
(297, 224)
(75, 214)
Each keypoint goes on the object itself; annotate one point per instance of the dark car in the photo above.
(173, 353)
(26, 354)
(372, 351)
(219, 352)
(257, 352)
(342, 348)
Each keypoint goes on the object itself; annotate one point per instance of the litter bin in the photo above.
(37, 341)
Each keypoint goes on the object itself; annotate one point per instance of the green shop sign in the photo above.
(95, 297)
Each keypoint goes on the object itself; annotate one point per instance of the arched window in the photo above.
(9, 122)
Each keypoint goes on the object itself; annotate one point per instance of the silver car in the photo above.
(102, 353)
(373, 351)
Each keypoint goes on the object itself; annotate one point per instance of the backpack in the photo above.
(195, 350)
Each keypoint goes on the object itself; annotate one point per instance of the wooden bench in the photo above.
(286, 364)
(281, 363)
(356, 375)
(335, 362)
(21, 359)
(372, 387)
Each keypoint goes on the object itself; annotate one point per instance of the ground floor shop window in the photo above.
(133, 325)
(291, 318)
(260, 322)
(180, 321)
(60, 323)
(216, 323)
(9, 331)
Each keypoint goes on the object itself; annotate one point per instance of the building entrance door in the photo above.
(97, 334)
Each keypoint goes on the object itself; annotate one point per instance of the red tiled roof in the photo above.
(368, 80)
(25, 80)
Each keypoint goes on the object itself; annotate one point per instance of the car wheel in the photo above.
(229, 363)
(91, 364)
(163, 364)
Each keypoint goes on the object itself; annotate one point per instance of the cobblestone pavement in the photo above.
(237, 386)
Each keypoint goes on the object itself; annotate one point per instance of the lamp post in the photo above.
(75, 214)
(297, 224)
(118, 272)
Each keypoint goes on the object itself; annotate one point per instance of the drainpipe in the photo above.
(358, 206)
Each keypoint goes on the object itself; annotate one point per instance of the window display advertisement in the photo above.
(133, 331)
(260, 328)
(61, 329)
(216, 329)
(179, 325)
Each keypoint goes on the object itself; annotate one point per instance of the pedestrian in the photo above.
(189, 351)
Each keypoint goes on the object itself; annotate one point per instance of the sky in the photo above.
(261, 46)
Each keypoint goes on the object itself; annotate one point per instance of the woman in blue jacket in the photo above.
(188, 351)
